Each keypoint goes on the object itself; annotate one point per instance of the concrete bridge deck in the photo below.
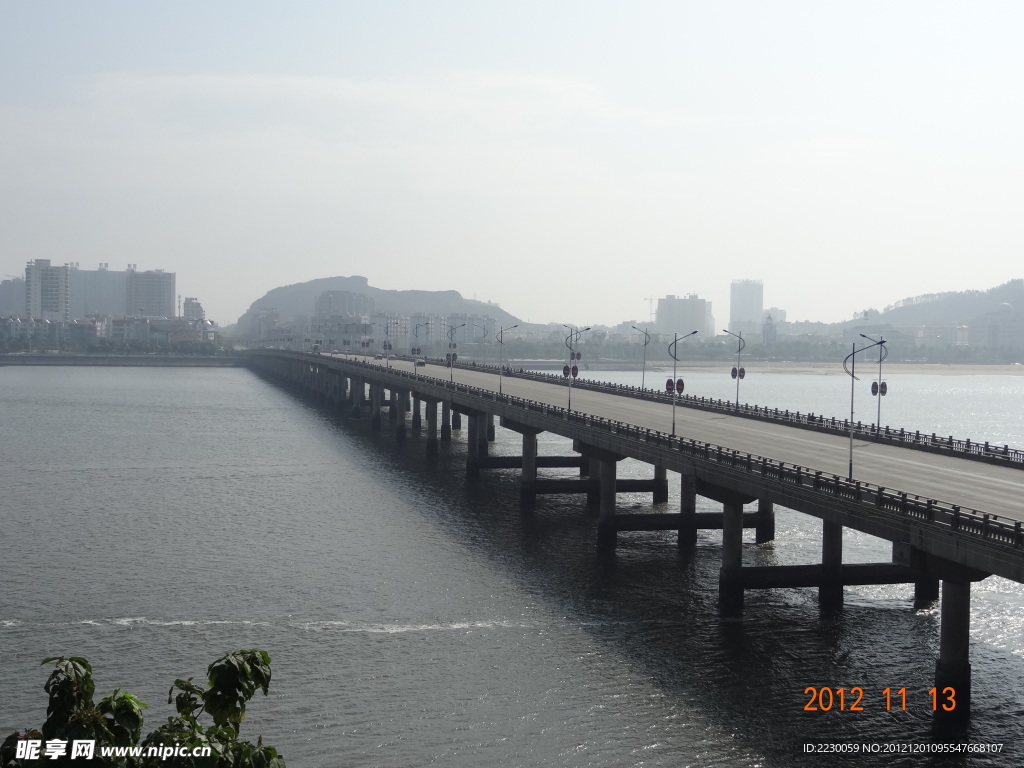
(995, 489)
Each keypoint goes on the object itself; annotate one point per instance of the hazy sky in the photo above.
(567, 160)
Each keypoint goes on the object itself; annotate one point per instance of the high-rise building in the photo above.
(70, 293)
(100, 291)
(682, 315)
(12, 297)
(47, 295)
(193, 310)
(746, 305)
(149, 294)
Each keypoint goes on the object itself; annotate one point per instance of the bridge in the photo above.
(951, 508)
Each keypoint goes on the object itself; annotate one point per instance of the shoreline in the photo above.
(121, 361)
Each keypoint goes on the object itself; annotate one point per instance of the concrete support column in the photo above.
(473, 447)
(660, 484)
(594, 491)
(446, 422)
(416, 423)
(431, 428)
(606, 534)
(953, 669)
(688, 508)
(765, 528)
(456, 420)
(376, 394)
(358, 390)
(730, 588)
(528, 480)
(484, 428)
(830, 593)
(398, 398)
(926, 590)
(395, 407)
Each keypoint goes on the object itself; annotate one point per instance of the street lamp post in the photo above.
(852, 358)
(416, 350)
(387, 344)
(477, 341)
(570, 371)
(879, 388)
(676, 384)
(367, 344)
(738, 372)
(452, 357)
(501, 359)
(647, 340)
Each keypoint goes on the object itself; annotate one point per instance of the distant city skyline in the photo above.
(567, 164)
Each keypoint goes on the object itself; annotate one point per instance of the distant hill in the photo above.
(299, 299)
(951, 308)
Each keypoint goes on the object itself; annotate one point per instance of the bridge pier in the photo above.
(320, 385)
(528, 478)
(593, 482)
(394, 404)
(398, 399)
(484, 427)
(953, 669)
(376, 394)
(660, 495)
(473, 447)
(417, 424)
(358, 393)
(952, 694)
(476, 443)
(340, 391)
(830, 592)
(730, 585)
(607, 534)
(926, 591)
(344, 393)
(446, 421)
(431, 407)
(456, 420)
(765, 528)
(688, 508)
(489, 417)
